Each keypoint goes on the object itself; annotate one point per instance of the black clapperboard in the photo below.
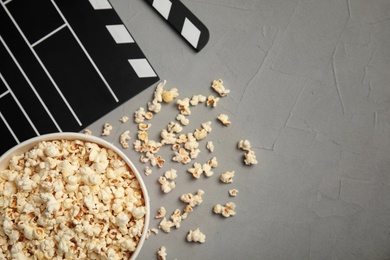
(63, 65)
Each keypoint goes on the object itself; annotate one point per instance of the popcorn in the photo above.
(196, 171)
(124, 119)
(171, 174)
(212, 101)
(161, 212)
(196, 236)
(226, 211)
(78, 199)
(188, 209)
(196, 99)
(142, 135)
(87, 132)
(143, 126)
(244, 145)
(154, 106)
(207, 170)
(227, 177)
(166, 186)
(107, 129)
(159, 90)
(176, 218)
(207, 126)
(147, 171)
(192, 200)
(182, 156)
(169, 95)
(249, 156)
(167, 137)
(184, 106)
(213, 162)
(224, 119)
(174, 127)
(139, 115)
(182, 119)
(165, 225)
(162, 253)
(124, 138)
(233, 192)
(220, 88)
(200, 134)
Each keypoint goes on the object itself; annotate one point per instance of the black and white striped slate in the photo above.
(63, 65)
(183, 21)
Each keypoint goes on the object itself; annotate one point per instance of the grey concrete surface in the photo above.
(310, 89)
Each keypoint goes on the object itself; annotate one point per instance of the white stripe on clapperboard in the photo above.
(19, 105)
(29, 83)
(189, 31)
(9, 128)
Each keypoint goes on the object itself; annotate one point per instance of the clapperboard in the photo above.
(63, 65)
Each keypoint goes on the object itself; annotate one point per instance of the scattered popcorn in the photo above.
(159, 90)
(139, 115)
(143, 126)
(233, 192)
(107, 129)
(124, 138)
(207, 170)
(192, 200)
(148, 115)
(184, 106)
(250, 158)
(188, 209)
(154, 230)
(226, 211)
(196, 171)
(65, 192)
(161, 212)
(210, 146)
(224, 119)
(162, 253)
(87, 132)
(213, 162)
(212, 101)
(176, 218)
(194, 153)
(154, 106)
(171, 174)
(196, 99)
(196, 236)
(147, 171)
(207, 126)
(167, 137)
(244, 145)
(182, 119)
(182, 156)
(227, 177)
(165, 225)
(124, 119)
(142, 135)
(220, 88)
(169, 95)
(200, 134)
(174, 127)
(166, 186)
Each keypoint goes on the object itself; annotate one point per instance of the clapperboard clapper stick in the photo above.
(183, 21)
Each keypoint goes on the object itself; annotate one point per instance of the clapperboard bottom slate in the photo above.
(63, 65)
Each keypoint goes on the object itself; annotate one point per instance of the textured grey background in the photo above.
(310, 88)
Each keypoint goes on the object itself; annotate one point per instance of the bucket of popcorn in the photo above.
(71, 196)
